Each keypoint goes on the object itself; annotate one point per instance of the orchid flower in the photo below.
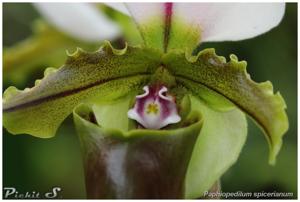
(186, 95)
(198, 22)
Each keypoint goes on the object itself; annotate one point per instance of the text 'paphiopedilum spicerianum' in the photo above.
(176, 82)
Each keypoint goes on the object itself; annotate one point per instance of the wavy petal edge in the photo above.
(267, 88)
(72, 57)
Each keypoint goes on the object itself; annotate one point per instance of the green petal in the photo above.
(218, 146)
(231, 81)
(104, 75)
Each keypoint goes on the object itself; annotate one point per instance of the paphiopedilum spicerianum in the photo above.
(123, 157)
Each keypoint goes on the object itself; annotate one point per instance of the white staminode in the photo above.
(153, 110)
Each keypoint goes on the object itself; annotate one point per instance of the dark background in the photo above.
(39, 164)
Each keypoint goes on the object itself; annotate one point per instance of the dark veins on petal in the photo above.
(64, 93)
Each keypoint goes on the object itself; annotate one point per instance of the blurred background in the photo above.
(39, 164)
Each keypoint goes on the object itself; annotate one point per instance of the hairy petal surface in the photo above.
(104, 75)
(207, 74)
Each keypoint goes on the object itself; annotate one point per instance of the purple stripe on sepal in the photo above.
(168, 18)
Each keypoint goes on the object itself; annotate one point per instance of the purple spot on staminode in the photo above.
(168, 17)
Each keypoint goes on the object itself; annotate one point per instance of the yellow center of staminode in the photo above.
(152, 108)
